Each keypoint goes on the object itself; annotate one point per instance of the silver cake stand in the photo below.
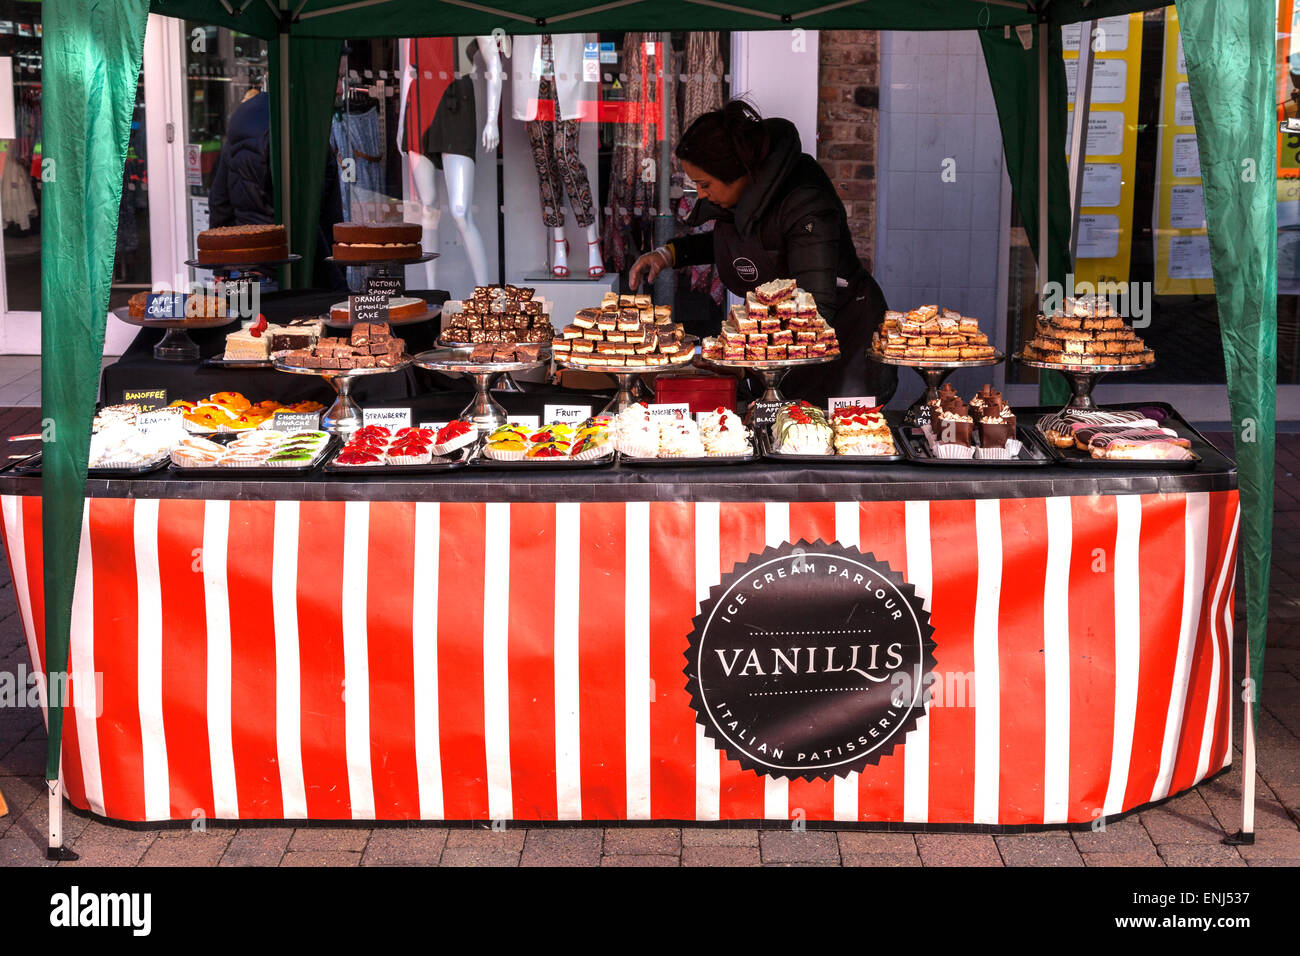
(504, 382)
(176, 344)
(771, 372)
(344, 416)
(934, 373)
(1083, 378)
(629, 378)
(483, 411)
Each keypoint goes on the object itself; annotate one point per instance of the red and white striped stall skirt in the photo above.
(265, 660)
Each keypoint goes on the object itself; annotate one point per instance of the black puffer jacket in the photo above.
(792, 206)
(241, 192)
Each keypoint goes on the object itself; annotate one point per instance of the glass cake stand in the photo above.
(483, 411)
(934, 373)
(176, 345)
(505, 381)
(344, 416)
(629, 377)
(1083, 378)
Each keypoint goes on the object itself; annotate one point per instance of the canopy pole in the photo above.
(285, 190)
(1079, 133)
(1246, 835)
(665, 285)
(1042, 162)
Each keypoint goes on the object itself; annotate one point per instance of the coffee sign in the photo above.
(810, 661)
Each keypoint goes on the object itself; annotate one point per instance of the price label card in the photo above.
(436, 426)
(165, 305)
(528, 421)
(297, 421)
(389, 286)
(368, 308)
(869, 401)
(566, 413)
(390, 418)
(763, 413)
(146, 398)
(679, 410)
(157, 419)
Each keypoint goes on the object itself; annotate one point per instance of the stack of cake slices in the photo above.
(371, 345)
(1085, 331)
(931, 334)
(499, 314)
(778, 322)
(625, 331)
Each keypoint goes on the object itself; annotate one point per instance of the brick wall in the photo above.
(847, 120)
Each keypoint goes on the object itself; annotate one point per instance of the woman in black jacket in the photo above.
(777, 216)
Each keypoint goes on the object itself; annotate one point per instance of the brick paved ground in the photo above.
(1185, 831)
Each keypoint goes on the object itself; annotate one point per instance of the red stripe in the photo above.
(742, 532)
(1021, 675)
(184, 656)
(1188, 754)
(320, 653)
(1227, 698)
(810, 523)
(532, 661)
(460, 661)
(952, 729)
(390, 660)
(882, 530)
(603, 714)
(1092, 652)
(673, 606)
(121, 761)
(1160, 565)
(252, 658)
(33, 548)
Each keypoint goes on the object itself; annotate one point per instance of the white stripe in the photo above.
(356, 659)
(1056, 662)
(776, 790)
(1195, 531)
(916, 750)
(988, 683)
(1212, 703)
(496, 659)
(13, 516)
(1128, 645)
(148, 591)
(708, 572)
(848, 533)
(424, 658)
(81, 658)
(568, 728)
(636, 651)
(216, 602)
(1229, 624)
(288, 664)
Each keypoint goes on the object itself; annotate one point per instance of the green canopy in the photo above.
(92, 61)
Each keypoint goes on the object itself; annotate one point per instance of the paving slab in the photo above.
(405, 846)
(576, 847)
(643, 841)
(257, 846)
(810, 846)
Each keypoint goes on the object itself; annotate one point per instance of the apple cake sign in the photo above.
(810, 660)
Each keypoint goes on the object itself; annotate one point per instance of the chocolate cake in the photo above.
(243, 244)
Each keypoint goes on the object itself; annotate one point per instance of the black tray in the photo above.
(218, 471)
(128, 472)
(479, 460)
(31, 465)
(689, 462)
(918, 450)
(457, 459)
(765, 446)
(217, 361)
(1074, 458)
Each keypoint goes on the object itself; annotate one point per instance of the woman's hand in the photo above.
(649, 266)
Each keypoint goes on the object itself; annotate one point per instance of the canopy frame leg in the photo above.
(1246, 835)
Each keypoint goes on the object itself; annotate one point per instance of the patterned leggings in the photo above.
(555, 151)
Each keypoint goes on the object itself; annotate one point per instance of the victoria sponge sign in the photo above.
(810, 660)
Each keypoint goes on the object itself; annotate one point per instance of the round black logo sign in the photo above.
(745, 268)
(810, 660)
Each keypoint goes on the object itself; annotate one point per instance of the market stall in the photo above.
(470, 615)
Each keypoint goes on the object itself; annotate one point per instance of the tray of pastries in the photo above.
(376, 449)
(984, 431)
(1134, 437)
(557, 445)
(778, 324)
(625, 333)
(931, 336)
(849, 434)
(717, 437)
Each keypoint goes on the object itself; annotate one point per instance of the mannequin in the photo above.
(549, 93)
(437, 103)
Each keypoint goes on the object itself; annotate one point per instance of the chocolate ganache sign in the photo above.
(795, 659)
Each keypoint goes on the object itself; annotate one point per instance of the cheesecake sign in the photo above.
(794, 661)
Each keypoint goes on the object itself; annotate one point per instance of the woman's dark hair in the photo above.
(726, 143)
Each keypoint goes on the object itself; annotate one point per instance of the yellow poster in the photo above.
(1110, 145)
(1182, 244)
